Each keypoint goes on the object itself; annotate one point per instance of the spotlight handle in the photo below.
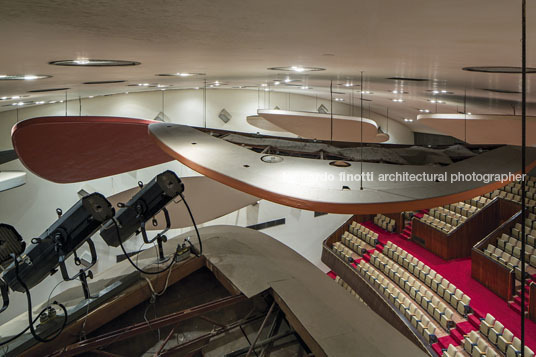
(5, 295)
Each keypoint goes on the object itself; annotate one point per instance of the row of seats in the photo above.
(447, 216)
(530, 233)
(462, 208)
(347, 287)
(385, 222)
(418, 292)
(512, 246)
(511, 197)
(506, 259)
(344, 252)
(364, 233)
(437, 223)
(477, 346)
(417, 318)
(430, 277)
(501, 337)
(452, 351)
(354, 243)
(478, 201)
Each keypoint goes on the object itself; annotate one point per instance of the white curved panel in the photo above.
(320, 126)
(11, 179)
(261, 123)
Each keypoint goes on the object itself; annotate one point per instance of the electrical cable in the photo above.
(32, 321)
(116, 224)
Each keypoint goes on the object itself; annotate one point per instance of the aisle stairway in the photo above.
(406, 233)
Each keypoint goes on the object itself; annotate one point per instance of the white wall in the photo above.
(31, 208)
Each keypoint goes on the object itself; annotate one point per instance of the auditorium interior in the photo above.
(268, 178)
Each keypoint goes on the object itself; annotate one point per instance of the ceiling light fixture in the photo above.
(180, 74)
(23, 77)
(86, 62)
(277, 83)
(297, 68)
(435, 101)
(498, 69)
(105, 82)
(424, 110)
(304, 87)
(407, 120)
(339, 99)
(398, 100)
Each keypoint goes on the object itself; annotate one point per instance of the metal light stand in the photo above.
(160, 237)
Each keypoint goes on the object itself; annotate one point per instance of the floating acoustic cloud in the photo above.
(481, 129)
(73, 149)
(261, 123)
(321, 127)
(316, 185)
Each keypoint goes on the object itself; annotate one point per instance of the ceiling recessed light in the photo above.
(498, 69)
(408, 79)
(299, 69)
(23, 77)
(91, 96)
(86, 62)
(105, 82)
(398, 100)
(277, 83)
(304, 87)
(40, 102)
(365, 92)
(47, 90)
(15, 97)
(180, 74)
(435, 101)
(408, 120)
(287, 80)
(424, 110)
(264, 85)
(339, 99)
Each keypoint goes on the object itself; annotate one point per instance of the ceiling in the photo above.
(235, 42)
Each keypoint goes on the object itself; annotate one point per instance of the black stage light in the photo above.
(59, 241)
(11, 242)
(151, 199)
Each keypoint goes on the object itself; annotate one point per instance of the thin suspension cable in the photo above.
(205, 104)
(65, 103)
(79, 106)
(465, 113)
(331, 109)
(523, 166)
(163, 104)
(387, 116)
(361, 140)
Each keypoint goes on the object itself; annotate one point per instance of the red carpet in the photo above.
(332, 275)
(458, 271)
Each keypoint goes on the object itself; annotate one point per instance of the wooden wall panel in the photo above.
(493, 275)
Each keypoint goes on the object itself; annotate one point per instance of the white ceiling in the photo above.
(236, 41)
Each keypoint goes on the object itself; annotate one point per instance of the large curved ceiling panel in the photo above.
(482, 129)
(321, 127)
(73, 149)
(316, 185)
(208, 200)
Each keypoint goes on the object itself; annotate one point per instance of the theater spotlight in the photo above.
(11, 244)
(144, 205)
(58, 242)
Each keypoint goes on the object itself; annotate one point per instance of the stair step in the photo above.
(437, 349)
(474, 320)
(457, 336)
(515, 307)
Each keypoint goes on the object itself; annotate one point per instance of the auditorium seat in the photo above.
(487, 324)
(504, 340)
(495, 332)
(470, 341)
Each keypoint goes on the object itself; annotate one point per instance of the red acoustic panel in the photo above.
(80, 148)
